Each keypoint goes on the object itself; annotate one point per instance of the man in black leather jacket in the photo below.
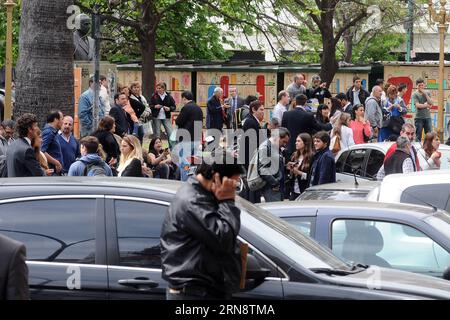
(199, 249)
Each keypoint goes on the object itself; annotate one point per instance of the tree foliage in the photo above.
(16, 24)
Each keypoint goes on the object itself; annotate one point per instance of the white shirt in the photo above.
(162, 112)
(346, 138)
(104, 97)
(28, 140)
(278, 111)
(356, 97)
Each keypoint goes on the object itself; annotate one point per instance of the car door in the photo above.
(134, 258)
(375, 160)
(65, 241)
(354, 165)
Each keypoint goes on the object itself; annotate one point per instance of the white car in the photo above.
(364, 160)
(431, 188)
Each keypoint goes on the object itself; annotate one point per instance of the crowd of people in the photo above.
(296, 150)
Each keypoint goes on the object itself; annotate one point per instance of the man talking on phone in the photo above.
(199, 249)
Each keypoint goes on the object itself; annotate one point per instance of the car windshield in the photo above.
(440, 221)
(287, 240)
(333, 195)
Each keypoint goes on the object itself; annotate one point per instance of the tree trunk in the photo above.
(148, 49)
(348, 46)
(329, 65)
(45, 78)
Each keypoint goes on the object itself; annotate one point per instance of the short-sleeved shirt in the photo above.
(421, 98)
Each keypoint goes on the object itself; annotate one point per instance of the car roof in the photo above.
(384, 146)
(17, 187)
(364, 185)
(405, 180)
(362, 208)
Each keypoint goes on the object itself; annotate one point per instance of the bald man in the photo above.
(70, 146)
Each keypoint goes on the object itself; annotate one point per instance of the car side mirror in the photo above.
(446, 274)
(255, 275)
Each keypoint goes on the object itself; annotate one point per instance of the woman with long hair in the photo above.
(394, 109)
(323, 114)
(341, 134)
(36, 144)
(105, 135)
(432, 155)
(300, 165)
(131, 160)
(360, 126)
(160, 161)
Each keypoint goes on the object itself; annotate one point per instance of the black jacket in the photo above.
(190, 113)
(123, 120)
(13, 270)
(199, 244)
(134, 169)
(167, 102)
(109, 144)
(363, 95)
(300, 121)
(323, 169)
(21, 160)
(319, 94)
(137, 105)
(214, 114)
(247, 143)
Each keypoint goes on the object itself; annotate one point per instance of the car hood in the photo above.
(397, 281)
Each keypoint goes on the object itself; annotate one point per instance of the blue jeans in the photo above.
(422, 124)
(167, 127)
(271, 195)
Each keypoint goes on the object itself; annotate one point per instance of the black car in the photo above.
(90, 238)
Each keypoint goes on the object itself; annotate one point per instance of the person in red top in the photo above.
(361, 127)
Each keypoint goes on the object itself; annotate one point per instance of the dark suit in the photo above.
(299, 121)
(246, 143)
(123, 120)
(13, 270)
(189, 114)
(235, 103)
(84, 47)
(214, 115)
(21, 160)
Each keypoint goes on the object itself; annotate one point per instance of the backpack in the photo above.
(3, 168)
(94, 169)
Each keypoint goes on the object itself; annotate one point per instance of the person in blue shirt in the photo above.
(50, 142)
(85, 110)
(70, 146)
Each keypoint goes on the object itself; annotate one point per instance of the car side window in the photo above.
(305, 225)
(374, 163)
(355, 161)
(388, 244)
(341, 160)
(60, 230)
(138, 232)
(436, 195)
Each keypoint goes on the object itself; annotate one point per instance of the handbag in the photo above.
(254, 180)
(335, 145)
(148, 128)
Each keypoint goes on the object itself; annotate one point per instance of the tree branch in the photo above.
(123, 22)
(348, 25)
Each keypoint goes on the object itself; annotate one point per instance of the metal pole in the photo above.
(409, 43)
(9, 60)
(441, 103)
(96, 37)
